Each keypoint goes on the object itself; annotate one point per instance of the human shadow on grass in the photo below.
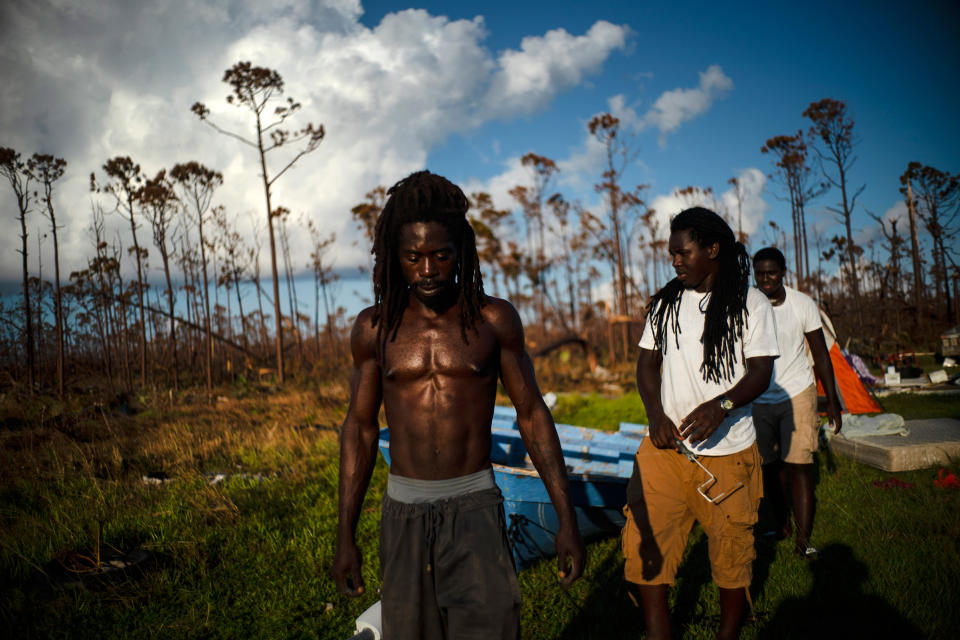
(836, 606)
(612, 610)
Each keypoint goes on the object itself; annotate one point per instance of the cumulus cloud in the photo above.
(675, 107)
(749, 209)
(528, 78)
(668, 112)
(897, 212)
(90, 81)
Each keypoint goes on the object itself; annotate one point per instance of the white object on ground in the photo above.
(938, 376)
(370, 620)
(860, 426)
(550, 399)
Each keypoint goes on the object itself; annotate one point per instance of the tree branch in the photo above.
(229, 133)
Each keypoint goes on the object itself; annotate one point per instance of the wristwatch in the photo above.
(726, 404)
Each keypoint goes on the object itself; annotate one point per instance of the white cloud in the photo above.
(675, 107)
(899, 213)
(754, 207)
(118, 78)
(529, 78)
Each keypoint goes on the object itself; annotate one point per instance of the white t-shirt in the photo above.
(683, 388)
(792, 373)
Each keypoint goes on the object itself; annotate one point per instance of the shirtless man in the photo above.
(432, 348)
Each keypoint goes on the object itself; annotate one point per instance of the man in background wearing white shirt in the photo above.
(786, 414)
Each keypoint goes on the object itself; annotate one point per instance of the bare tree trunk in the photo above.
(27, 311)
(173, 334)
(915, 249)
(58, 304)
(39, 305)
(291, 286)
(316, 310)
(273, 253)
(140, 304)
(263, 322)
(124, 335)
(243, 320)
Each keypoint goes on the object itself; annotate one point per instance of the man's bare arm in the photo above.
(704, 420)
(663, 433)
(824, 368)
(358, 453)
(539, 435)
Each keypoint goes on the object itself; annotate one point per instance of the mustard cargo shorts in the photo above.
(670, 504)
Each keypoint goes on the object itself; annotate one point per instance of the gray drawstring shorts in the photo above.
(448, 571)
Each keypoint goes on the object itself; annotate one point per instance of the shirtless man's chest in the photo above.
(438, 395)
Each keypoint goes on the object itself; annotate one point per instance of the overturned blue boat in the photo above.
(599, 464)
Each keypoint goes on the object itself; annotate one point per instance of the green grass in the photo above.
(599, 412)
(922, 405)
(248, 557)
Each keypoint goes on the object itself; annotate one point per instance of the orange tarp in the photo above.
(853, 394)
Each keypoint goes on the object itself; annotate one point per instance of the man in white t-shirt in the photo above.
(706, 352)
(786, 416)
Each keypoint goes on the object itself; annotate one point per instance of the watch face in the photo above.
(726, 404)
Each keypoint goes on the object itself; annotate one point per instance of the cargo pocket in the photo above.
(733, 554)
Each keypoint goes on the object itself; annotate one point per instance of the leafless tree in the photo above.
(833, 140)
(197, 184)
(531, 200)
(619, 151)
(937, 201)
(323, 280)
(796, 176)
(487, 222)
(125, 179)
(283, 216)
(255, 88)
(47, 169)
(739, 195)
(160, 204)
(17, 173)
(234, 267)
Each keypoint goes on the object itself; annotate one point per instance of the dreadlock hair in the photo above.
(771, 253)
(422, 197)
(727, 307)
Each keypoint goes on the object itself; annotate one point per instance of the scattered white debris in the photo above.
(217, 478)
(213, 478)
(550, 398)
(602, 373)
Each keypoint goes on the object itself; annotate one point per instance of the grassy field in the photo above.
(223, 515)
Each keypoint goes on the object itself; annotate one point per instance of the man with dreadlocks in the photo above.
(706, 352)
(432, 348)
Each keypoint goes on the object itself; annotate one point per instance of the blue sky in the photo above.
(476, 87)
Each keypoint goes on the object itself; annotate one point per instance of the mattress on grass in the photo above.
(931, 443)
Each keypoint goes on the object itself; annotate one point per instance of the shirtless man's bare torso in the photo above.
(436, 376)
